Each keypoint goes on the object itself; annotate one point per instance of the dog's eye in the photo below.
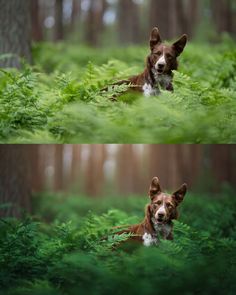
(158, 53)
(158, 202)
(169, 205)
(169, 56)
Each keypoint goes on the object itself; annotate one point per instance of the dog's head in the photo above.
(163, 207)
(163, 58)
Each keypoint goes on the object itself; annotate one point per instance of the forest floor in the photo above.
(59, 100)
(60, 250)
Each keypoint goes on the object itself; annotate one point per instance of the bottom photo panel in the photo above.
(117, 219)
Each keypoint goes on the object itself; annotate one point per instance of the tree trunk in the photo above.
(183, 21)
(75, 164)
(189, 160)
(15, 186)
(75, 14)
(128, 22)
(123, 24)
(15, 32)
(90, 181)
(223, 15)
(193, 16)
(94, 23)
(58, 34)
(58, 168)
(159, 160)
(36, 166)
(125, 169)
(223, 165)
(37, 30)
(174, 30)
(160, 16)
(94, 171)
(135, 25)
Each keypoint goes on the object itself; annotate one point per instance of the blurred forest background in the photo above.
(112, 170)
(129, 21)
(110, 22)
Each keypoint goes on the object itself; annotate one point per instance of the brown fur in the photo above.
(158, 198)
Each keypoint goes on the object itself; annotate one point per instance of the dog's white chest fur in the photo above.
(149, 240)
(148, 90)
(161, 80)
(161, 230)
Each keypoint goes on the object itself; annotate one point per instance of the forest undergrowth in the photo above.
(59, 99)
(61, 249)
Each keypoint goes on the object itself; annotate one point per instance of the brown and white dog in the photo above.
(158, 215)
(159, 66)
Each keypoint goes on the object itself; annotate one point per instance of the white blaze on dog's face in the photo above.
(161, 62)
(163, 206)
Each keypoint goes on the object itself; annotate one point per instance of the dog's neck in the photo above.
(163, 229)
(161, 80)
(155, 81)
(156, 229)
(153, 232)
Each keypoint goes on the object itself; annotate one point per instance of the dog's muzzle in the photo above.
(160, 217)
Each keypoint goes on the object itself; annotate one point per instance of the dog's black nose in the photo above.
(161, 66)
(160, 215)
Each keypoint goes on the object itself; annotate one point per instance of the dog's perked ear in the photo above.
(179, 45)
(155, 38)
(178, 196)
(155, 188)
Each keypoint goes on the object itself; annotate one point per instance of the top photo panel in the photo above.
(117, 71)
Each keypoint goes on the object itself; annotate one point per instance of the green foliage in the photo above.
(20, 104)
(61, 100)
(83, 255)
